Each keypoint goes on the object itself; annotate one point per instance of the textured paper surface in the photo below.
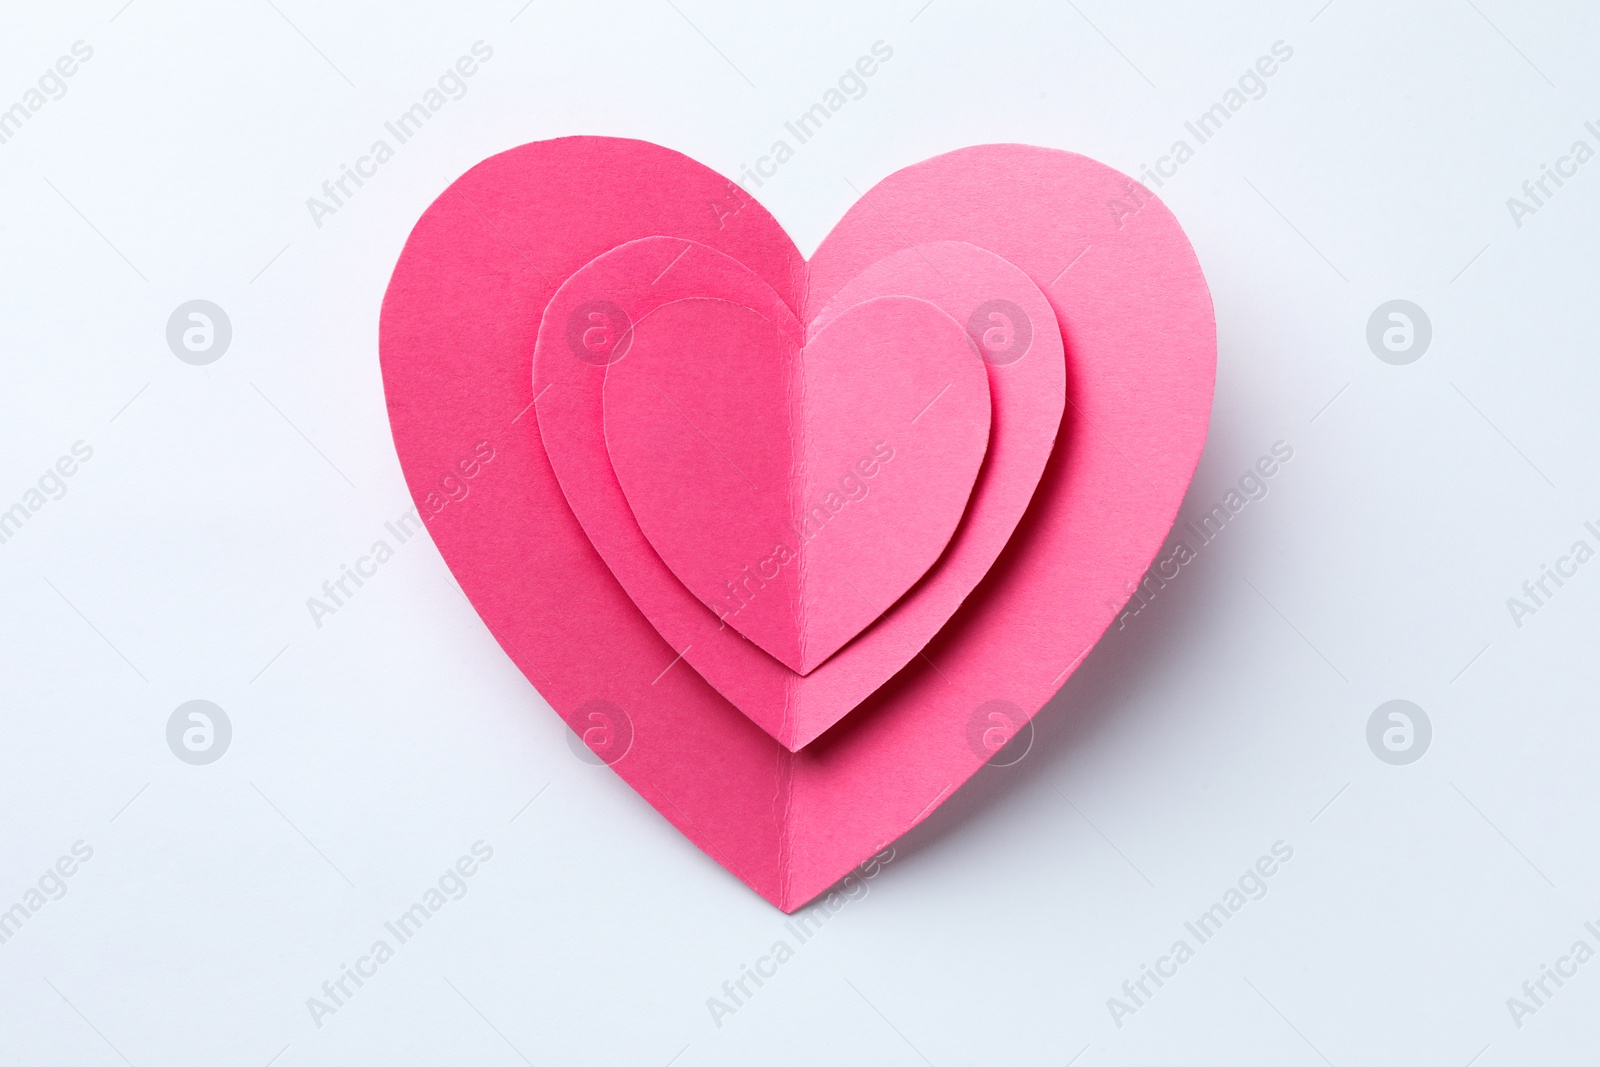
(458, 329)
(1026, 398)
(798, 490)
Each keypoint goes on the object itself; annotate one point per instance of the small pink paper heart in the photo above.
(1021, 351)
(798, 491)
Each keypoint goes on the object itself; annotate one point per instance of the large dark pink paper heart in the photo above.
(457, 333)
(797, 487)
(1026, 384)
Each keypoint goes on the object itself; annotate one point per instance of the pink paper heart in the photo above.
(1026, 384)
(457, 334)
(798, 490)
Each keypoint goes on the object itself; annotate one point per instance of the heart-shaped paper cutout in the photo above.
(1026, 383)
(797, 490)
(458, 328)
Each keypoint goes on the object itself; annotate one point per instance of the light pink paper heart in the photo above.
(798, 490)
(457, 336)
(1026, 395)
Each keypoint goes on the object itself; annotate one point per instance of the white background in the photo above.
(369, 753)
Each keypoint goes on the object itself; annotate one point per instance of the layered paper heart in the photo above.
(796, 545)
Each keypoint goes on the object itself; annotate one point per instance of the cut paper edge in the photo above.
(1027, 398)
(1136, 316)
(796, 491)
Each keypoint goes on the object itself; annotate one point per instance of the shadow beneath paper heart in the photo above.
(1111, 683)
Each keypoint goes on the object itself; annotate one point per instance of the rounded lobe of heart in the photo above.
(797, 492)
